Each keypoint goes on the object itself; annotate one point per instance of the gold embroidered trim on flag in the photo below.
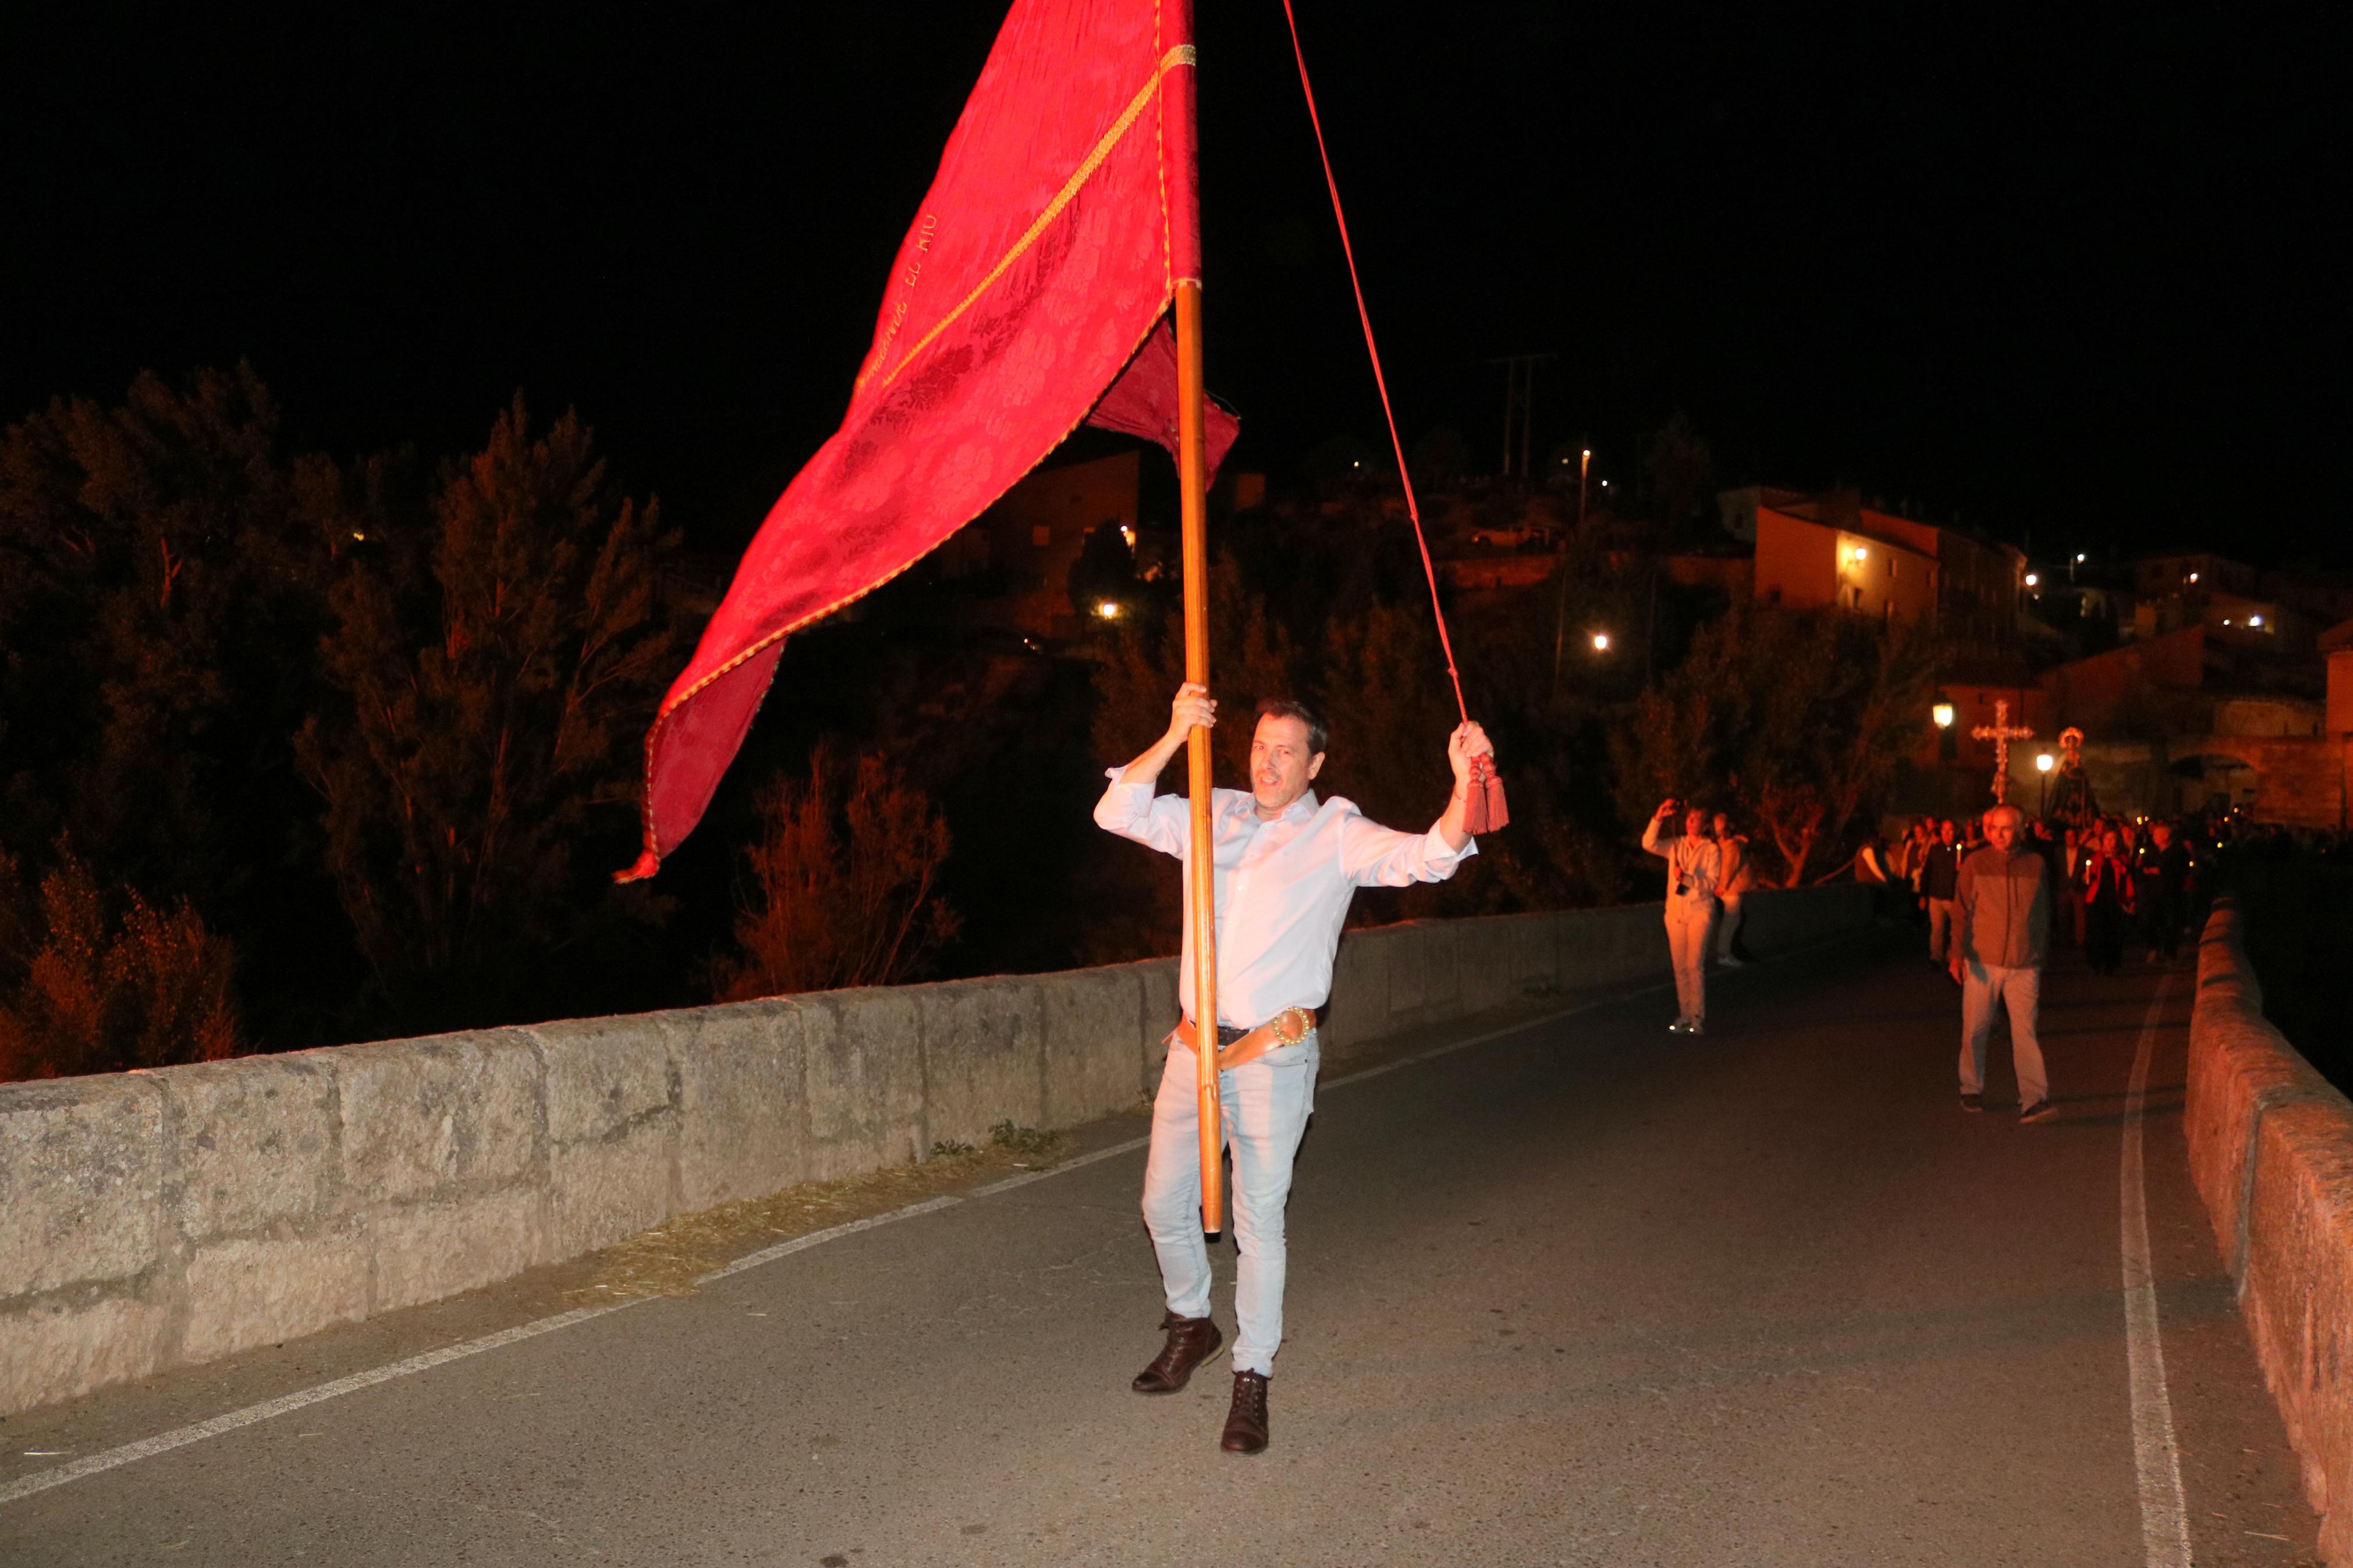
(1182, 55)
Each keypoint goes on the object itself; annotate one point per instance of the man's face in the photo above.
(1695, 824)
(2164, 833)
(2001, 830)
(1949, 833)
(1280, 764)
(2111, 842)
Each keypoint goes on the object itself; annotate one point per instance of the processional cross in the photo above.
(2001, 733)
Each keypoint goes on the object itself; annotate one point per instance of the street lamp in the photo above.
(2042, 766)
(1943, 714)
(1108, 609)
(1601, 642)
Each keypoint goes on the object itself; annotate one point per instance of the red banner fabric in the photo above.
(1064, 211)
(1143, 401)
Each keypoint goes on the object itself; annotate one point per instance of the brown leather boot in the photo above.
(1246, 1421)
(1191, 1342)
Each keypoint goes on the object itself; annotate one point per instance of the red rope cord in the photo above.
(1412, 507)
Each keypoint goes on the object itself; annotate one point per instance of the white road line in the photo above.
(42, 1480)
(1325, 1086)
(181, 1436)
(2164, 1514)
(1009, 1182)
(820, 1237)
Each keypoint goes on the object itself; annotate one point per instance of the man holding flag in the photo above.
(1286, 866)
(1053, 277)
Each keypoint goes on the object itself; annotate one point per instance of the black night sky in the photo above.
(2065, 276)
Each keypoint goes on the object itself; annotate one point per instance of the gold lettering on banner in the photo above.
(911, 275)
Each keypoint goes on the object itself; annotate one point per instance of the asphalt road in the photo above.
(1587, 1293)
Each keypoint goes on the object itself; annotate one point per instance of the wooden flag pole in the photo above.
(1193, 483)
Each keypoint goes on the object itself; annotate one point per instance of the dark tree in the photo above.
(844, 883)
(1677, 469)
(1795, 719)
(90, 983)
(162, 568)
(495, 676)
(1104, 570)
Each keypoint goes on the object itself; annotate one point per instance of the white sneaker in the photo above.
(1694, 1027)
(1680, 1027)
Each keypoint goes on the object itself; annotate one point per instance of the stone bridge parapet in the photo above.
(2271, 1148)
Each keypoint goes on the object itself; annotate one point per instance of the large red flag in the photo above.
(1033, 281)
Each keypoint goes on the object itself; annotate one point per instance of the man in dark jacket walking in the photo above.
(2002, 933)
(1940, 877)
(2163, 889)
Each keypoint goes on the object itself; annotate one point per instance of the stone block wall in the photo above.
(2271, 1148)
(150, 1220)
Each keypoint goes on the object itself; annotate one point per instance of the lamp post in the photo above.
(1560, 611)
(2042, 792)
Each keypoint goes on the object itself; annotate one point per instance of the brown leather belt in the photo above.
(1235, 1047)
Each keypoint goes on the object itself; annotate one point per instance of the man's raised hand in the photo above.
(1468, 741)
(1193, 706)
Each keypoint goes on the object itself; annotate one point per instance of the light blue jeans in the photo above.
(1266, 1106)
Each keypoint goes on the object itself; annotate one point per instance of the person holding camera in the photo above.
(1694, 874)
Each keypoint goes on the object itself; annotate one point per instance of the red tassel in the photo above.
(1484, 810)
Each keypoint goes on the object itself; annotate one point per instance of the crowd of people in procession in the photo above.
(2116, 880)
(1997, 891)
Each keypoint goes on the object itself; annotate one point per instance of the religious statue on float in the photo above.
(2071, 804)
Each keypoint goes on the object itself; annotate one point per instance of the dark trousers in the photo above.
(2103, 937)
(2163, 915)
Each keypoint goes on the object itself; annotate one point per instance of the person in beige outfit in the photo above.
(1739, 875)
(1694, 870)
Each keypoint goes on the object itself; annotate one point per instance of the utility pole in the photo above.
(1560, 610)
(1650, 629)
(1519, 404)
